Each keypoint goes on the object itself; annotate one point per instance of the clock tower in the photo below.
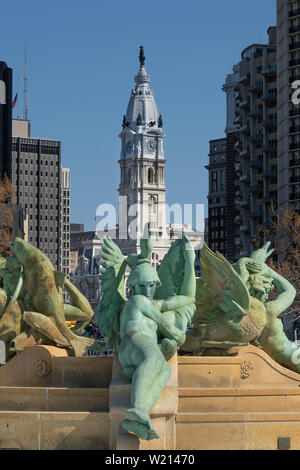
(142, 190)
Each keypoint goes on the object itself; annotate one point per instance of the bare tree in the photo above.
(8, 212)
(284, 233)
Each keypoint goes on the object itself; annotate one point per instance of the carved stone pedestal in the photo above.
(162, 414)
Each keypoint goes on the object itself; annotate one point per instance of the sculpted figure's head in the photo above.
(262, 254)
(143, 279)
(20, 249)
(10, 271)
(260, 285)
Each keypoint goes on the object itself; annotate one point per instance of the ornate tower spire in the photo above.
(141, 56)
(142, 77)
(142, 163)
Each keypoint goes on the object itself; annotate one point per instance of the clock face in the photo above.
(128, 146)
(151, 145)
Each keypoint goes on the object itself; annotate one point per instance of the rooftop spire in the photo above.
(141, 56)
(142, 76)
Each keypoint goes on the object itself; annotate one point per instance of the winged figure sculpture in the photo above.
(147, 328)
(233, 307)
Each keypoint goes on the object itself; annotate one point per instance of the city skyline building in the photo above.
(288, 129)
(65, 258)
(37, 177)
(248, 155)
(232, 133)
(217, 201)
(142, 165)
(256, 157)
(5, 120)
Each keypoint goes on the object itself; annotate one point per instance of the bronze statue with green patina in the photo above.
(148, 328)
(31, 305)
(233, 307)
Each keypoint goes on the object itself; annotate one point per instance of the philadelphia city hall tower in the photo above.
(142, 190)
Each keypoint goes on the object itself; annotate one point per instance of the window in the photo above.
(150, 175)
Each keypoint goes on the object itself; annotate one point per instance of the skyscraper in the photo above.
(257, 143)
(288, 130)
(5, 119)
(231, 88)
(217, 203)
(38, 180)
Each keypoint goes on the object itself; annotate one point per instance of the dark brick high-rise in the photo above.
(5, 119)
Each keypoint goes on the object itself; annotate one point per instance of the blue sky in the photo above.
(82, 59)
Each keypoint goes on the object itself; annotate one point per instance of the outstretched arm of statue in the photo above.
(173, 303)
(287, 293)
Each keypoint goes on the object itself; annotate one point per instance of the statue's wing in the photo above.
(112, 291)
(171, 271)
(220, 289)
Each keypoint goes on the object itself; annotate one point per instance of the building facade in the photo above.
(142, 190)
(217, 202)
(231, 87)
(37, 177)
(257, 143)
(65, 259)
(5, 120)
(288, 109)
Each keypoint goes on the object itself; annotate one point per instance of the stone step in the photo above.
(220, 400)
(41, 399)
(29, 430)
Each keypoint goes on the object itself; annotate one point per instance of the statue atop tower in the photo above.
(141, 56)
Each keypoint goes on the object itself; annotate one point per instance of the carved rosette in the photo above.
(41, 368)
(246, 368)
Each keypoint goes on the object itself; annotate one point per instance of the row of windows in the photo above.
(219, 246)
(41, 196)
(35, 161)
(215, 223)
(45, 240)
(44, 248)
(34, 148)
(40, 217)
(41, 206)
(216, 211)
(36, 173)
(40, 185)
(217, 200)
(218, 234)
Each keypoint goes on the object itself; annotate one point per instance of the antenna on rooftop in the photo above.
(25, 90)
(18, 100)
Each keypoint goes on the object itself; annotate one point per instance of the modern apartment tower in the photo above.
(5, 120)
(288, 108)
(217, 202)
(231, 88)
(37, 177)
(257, 143)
